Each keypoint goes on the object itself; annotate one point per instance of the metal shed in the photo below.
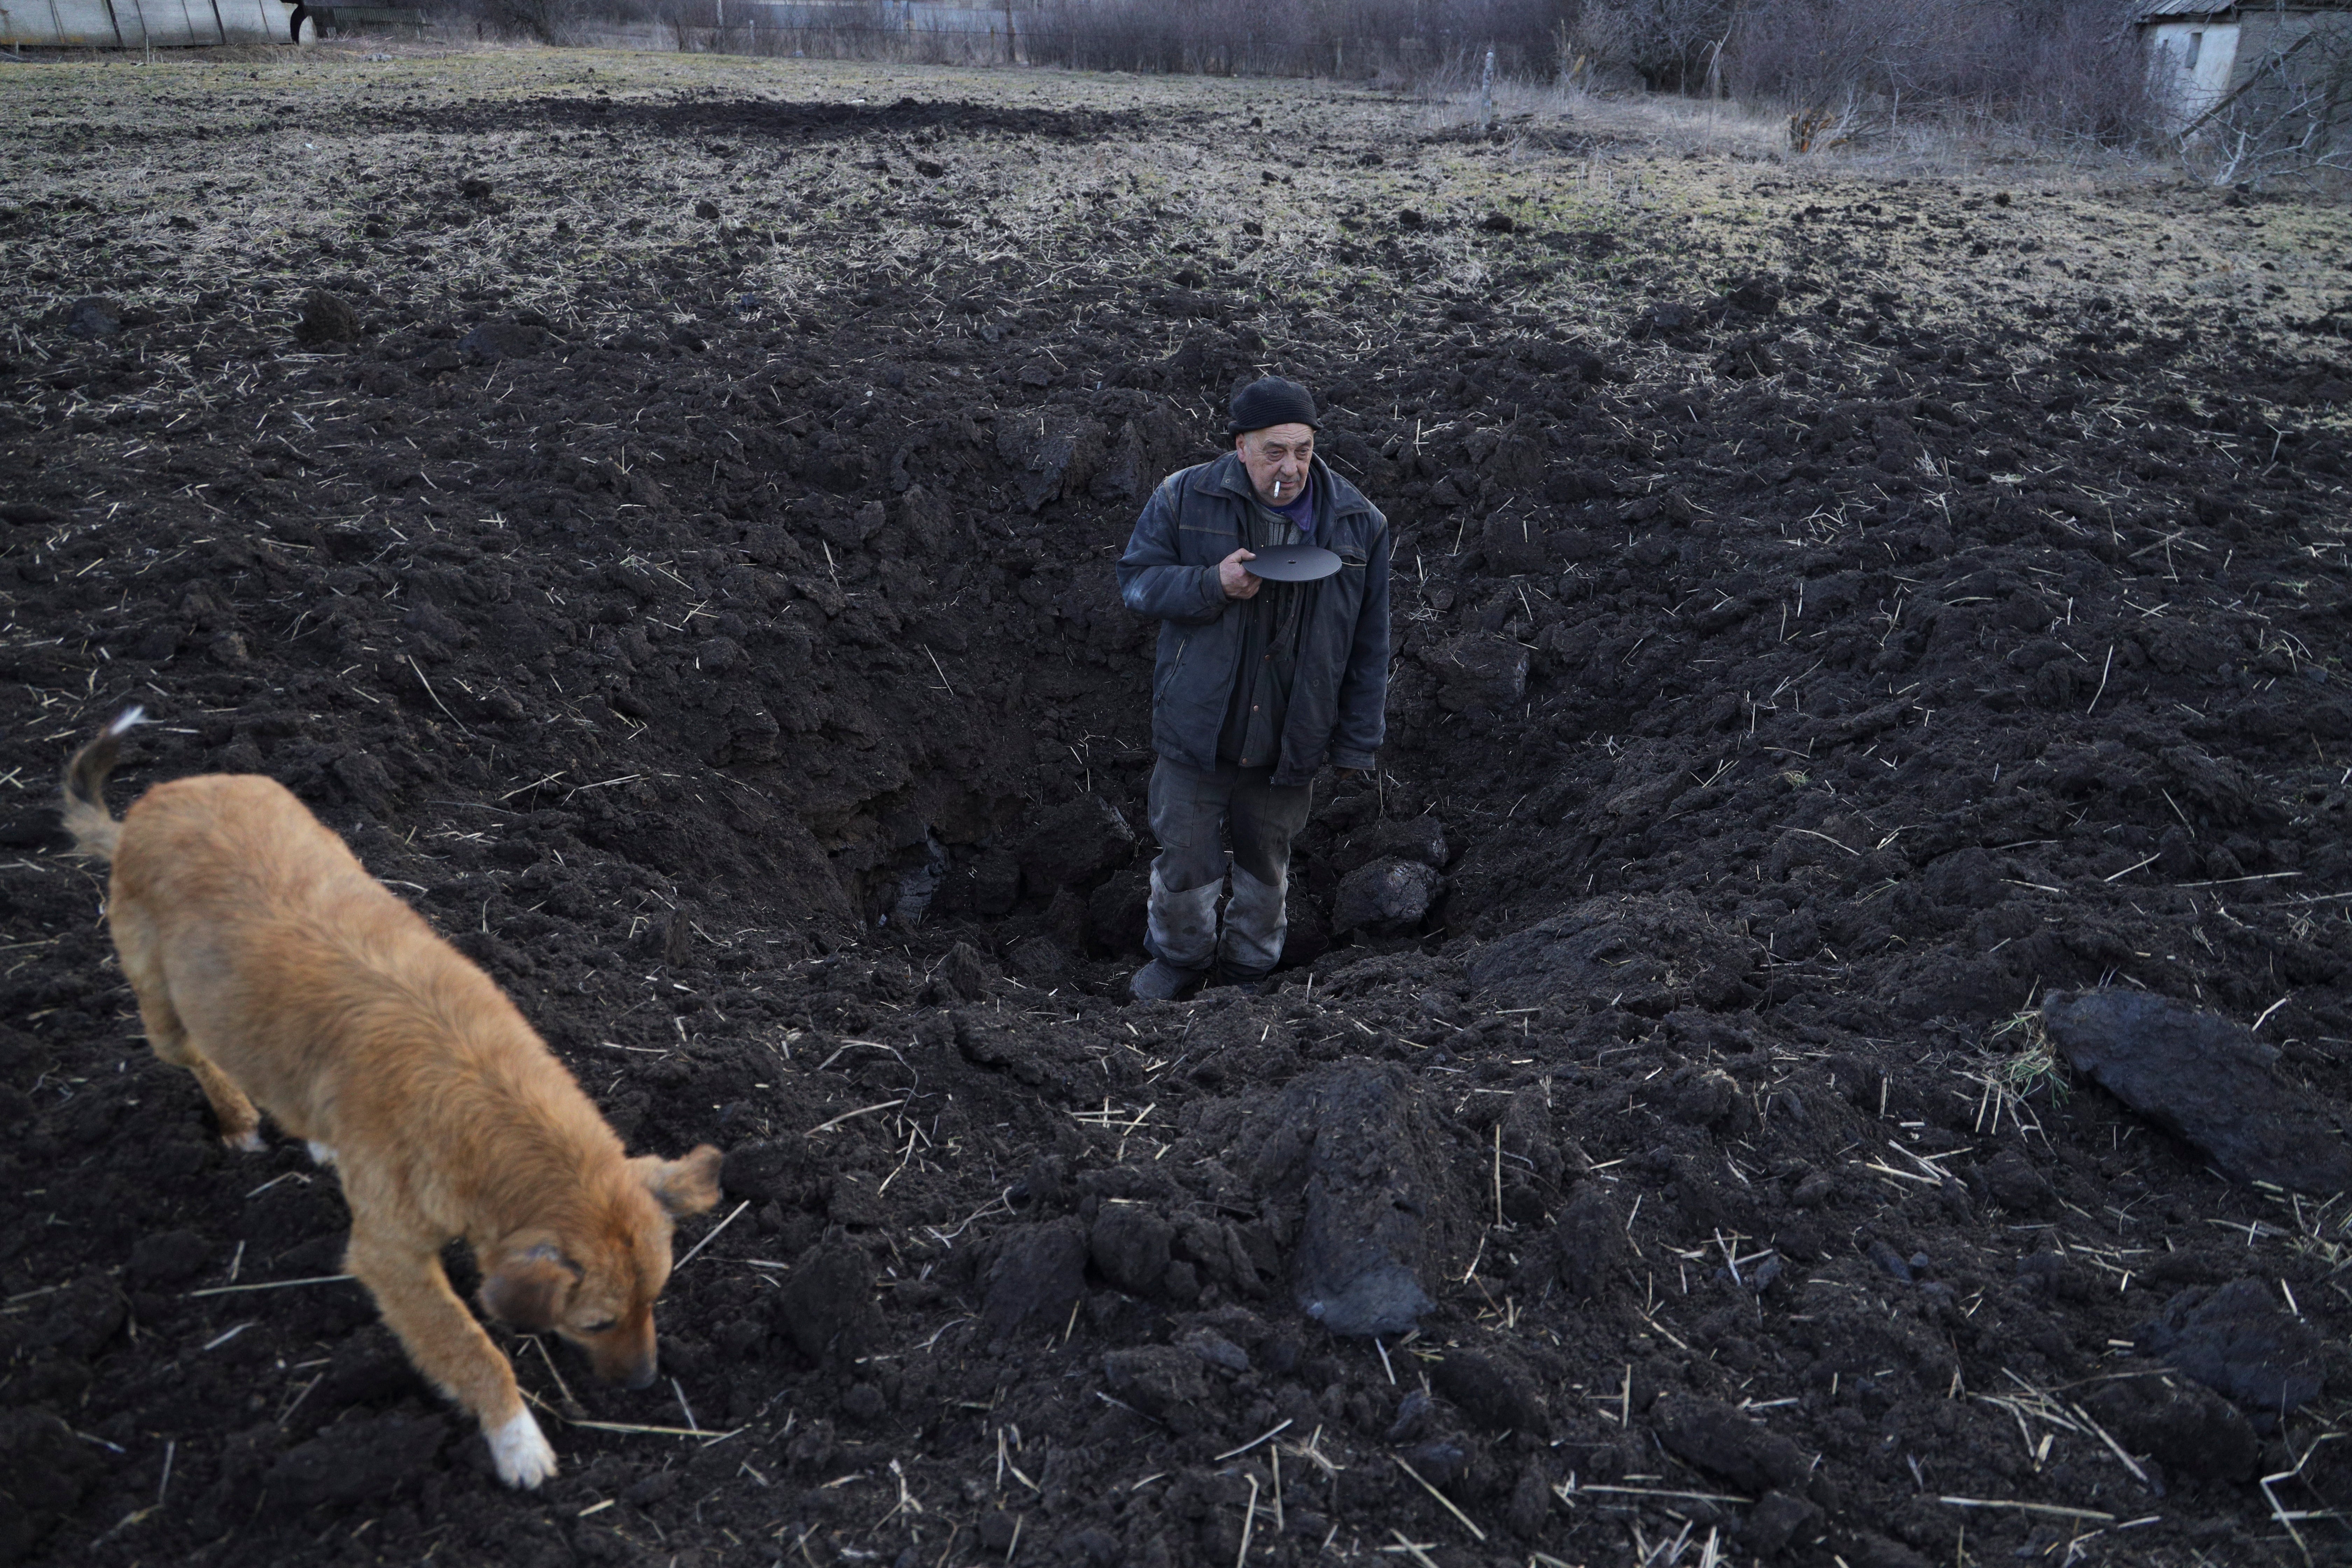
(141, 24)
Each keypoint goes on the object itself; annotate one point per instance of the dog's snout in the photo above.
(629, 1358)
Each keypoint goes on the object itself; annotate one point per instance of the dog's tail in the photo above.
(94, 828)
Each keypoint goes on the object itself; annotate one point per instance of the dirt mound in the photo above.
(1818, 641)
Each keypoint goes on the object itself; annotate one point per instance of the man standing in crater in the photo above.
(1258, 684)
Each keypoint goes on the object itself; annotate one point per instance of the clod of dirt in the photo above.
(1131, 1247)
(1039, 1273)
(827, 1304)
(706, 208)
(473, 189)
(2192, 1432)
(2238, 1342)
(2016, 1185)
(1077, 845)
(1498, 223)
(851, 529)
(1165, 1382)
(775, 1171)
(356, 1460)
(1719, 1439)
(930, 170)
(1669, 319)
(49, 1468)
(1478, 673)
(326, 319)
(29, 514)
(93, 318)
(495, 341)
(1777, 1519)
(1355, 1145)
(1489, 1392)
(1383, 899)
(2204, 1079)
(964, 970)
(1643, 954)
(1420, 838)
(1581, 1253)
(166, 1257)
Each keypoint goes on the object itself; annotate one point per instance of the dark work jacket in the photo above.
(1170, 572)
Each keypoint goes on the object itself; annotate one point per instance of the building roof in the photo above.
(2189, 10)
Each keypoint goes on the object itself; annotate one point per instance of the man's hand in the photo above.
(1236, 583)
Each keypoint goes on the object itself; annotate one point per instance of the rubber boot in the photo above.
(1255, 925)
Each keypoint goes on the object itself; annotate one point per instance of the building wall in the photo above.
(2270, 33)
(138, 23)
(2194, 62)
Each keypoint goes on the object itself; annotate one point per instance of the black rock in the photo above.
(1384, 898)
(2204, 1079)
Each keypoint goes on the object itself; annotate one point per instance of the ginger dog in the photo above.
(269, 964)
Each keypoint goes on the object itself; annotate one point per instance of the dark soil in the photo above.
(1803, 671)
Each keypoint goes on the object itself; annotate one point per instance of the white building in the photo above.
(2206, 53)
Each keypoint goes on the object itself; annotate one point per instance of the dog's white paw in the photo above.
(248, 1142)
(321, 1155)
(520, 1451)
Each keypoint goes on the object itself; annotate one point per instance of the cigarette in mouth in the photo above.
(1279, 485)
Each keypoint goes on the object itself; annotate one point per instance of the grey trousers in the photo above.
(1191, 813)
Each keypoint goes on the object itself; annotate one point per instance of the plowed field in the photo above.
(1837, 611)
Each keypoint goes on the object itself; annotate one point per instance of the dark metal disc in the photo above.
(1293, 563)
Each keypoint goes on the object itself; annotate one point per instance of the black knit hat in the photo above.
(1272, 401)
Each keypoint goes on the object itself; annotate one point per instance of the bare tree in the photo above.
(2290, 119)
(2069, 68)
(1669, 44)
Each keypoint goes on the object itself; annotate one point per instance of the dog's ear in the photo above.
(686, 1185)
(528, 1287)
